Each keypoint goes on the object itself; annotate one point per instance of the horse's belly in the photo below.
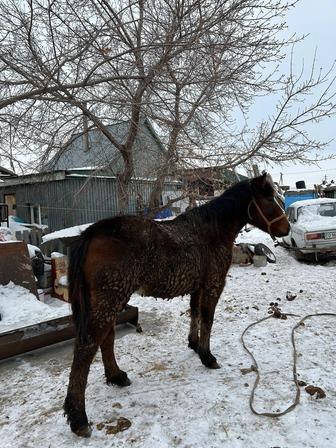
(165, 291)
(170, 285)
(171, 273)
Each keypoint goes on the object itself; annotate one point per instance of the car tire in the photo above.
(262, 249)
(299, 255)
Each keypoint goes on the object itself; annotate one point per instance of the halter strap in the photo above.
(269, 223)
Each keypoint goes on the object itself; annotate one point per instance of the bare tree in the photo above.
(185, 63)
(204, 137)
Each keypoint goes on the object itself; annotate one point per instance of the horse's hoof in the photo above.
(120, 380)
(84, 431)
(214, 365)
(124, 383)
(209, 360)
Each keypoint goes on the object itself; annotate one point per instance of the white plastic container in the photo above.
(259, 261)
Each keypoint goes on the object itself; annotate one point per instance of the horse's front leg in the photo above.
(208, 306)
(193, 338)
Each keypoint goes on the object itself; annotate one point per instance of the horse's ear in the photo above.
(259, 183)
(263, 184)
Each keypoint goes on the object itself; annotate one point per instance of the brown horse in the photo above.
(188, 255)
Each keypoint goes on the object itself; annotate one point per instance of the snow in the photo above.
(316, 222)
(8, 233)
(32, 250)
(15, 225)
(174, 401)
(69, 231)
(308, 202)
(309, 216)
(56, 255)
(63, 280)
(20, 308)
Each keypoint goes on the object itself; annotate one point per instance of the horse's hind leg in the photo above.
(74, 405)
(193, 337)
(113, 373)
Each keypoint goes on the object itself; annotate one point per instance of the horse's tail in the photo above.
(78, 292)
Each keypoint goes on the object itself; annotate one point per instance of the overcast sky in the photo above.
(318, 20)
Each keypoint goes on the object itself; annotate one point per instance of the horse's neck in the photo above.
(232, 219)
(221, 219)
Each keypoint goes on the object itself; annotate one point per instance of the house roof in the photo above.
(102, 153)
(5, 173)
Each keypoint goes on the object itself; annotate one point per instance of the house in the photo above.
(92, 153)
(211, 180)
(327, 189)
(80, 184)
(6, 201)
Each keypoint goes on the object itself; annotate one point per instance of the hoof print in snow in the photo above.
(312, 390)
(122, 424)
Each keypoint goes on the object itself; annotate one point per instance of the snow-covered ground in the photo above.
(20, 308)
(174, 401)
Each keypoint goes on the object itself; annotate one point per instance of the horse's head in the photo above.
(265, 210)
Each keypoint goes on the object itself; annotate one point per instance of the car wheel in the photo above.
(262, 249)
(297, 253)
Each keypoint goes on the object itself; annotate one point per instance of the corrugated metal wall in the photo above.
(77, 199)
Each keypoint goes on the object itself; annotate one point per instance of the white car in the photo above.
(313, 226)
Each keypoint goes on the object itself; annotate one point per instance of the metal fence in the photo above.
(76, 199)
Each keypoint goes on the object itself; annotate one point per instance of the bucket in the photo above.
(259, 261)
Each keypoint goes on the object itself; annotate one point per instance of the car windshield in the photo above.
(317, 211)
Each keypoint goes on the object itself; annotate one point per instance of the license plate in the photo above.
(329, 235)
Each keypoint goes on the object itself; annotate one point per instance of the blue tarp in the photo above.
(293, 196)
(166, 213)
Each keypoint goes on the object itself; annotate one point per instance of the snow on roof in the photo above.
(312, 202)
(69, 231)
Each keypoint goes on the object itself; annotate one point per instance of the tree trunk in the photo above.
(154, 199)
(123, 181)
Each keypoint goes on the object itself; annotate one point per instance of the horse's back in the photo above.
(130, 253)
(123, 228)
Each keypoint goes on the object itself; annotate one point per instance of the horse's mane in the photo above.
(225, 206)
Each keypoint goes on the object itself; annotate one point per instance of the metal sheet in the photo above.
(15, 266)
(50, 332)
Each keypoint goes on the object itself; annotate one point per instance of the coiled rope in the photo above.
(256, 367)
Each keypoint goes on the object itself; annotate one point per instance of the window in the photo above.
(38, 215)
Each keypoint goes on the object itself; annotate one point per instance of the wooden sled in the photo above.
(32, 337)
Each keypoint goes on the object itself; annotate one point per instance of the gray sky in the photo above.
(318, 19)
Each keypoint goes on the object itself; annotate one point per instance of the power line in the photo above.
(322, 170)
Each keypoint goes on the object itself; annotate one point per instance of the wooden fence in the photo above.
(33, 236)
